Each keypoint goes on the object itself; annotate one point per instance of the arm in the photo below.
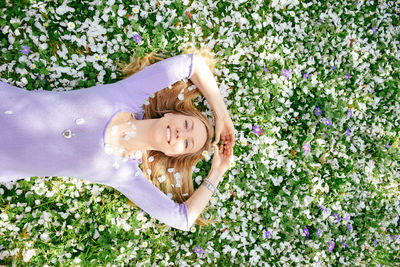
(152, 200)
(199, 200)
(203, 78)
(157, 76)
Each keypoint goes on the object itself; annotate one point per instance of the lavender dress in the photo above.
(51, 133)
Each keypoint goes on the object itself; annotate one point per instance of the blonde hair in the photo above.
(165, 101)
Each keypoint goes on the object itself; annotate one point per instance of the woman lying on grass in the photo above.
(102, 134)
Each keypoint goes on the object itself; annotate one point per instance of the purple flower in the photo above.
(198, 250)
(41, 77)
(267, 234)
(318, 111)
(25, 50)
(372, 91)
(333, 67)
(346, 217)
(344, 244)
(306, 231)
(257, 130)
(336, 216)
(348, 132)
(349, 228)
(347, 76)
(319, 232)
(306, 75)
(325, 136)
(351, 113)
(357, 2)
(306, 148)
(265, 69)
(286, 73)
(137, 38)
(331, 246)
(388, 146)
(375, 243)
(328, 122)
(374, 30)
(318, 262)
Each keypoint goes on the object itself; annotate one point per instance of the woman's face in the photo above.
(187, 135)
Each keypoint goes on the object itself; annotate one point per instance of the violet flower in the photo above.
(25, 50)
(348, 132)
(198, 250)
(331, 246)
(306, 231)
(318, 111)
(267, 234)
(328, 122)
(351, 113)
(306, 148)
(257, 130)
(137, 38)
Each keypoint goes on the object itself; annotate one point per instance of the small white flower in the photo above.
(150, 159)
(116, 165)
(139, 216)
(135, 9)
(108, 149)
(33, 66)
(243, 141)
(226, 186)
(192, 229)
(291, 13)
(205, 153)
(212, 200)
(162, 178)
(101, 228)
(145, 244)
(80, 121)
(170, 170)
(71, 25)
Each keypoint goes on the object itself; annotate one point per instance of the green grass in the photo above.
(281, 191)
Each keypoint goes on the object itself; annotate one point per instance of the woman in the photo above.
(102, 134)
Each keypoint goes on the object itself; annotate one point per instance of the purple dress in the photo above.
(51, 133)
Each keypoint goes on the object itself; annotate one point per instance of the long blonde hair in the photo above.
(165, 101)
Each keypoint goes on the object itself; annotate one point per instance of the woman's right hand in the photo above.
(222, 158)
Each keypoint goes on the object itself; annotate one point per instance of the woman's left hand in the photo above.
(225, 131)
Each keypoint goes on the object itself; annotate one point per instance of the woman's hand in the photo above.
(225, 131)
(222, 158)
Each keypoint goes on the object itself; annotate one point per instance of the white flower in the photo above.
(170, 170)
(243, 141)
(101, 228)
(161, 178)
(71, 25)
(151, 159)
(135, 9)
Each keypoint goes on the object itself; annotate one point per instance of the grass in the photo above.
(319, 186)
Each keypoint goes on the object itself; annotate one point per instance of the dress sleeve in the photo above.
(153, 78)
(153, 201)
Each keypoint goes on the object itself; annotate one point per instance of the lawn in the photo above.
(313, 89)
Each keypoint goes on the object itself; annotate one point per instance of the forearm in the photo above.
(198, 201)
(203, 78)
